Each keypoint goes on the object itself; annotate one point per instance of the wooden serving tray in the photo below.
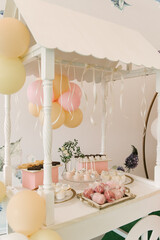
(128, 195)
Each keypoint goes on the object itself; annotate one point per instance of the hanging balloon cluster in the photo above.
(14, 43)
(65, 102)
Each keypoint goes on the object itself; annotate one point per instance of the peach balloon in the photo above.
(12, 75)
(2, 191)
(45, 234)
(15, 37)
(35, 92)
(73, 119)
(60, 86)
(57, 115)
(26, 212)
(34, 109)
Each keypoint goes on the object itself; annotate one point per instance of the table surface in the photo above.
(74, 215)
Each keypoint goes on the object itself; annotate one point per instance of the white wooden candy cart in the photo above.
(89, 44)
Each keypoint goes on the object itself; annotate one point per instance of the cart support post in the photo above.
(7, 169)
(47, 75)
(47, 72)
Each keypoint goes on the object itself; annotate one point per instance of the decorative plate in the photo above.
(126, 197)
(70, 196)
(128, 180)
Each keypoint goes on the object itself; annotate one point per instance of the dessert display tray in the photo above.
(82, 181)
(67, 198)
(128, 180)
(128, 196)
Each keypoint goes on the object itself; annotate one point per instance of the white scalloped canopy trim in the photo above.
(53, 26)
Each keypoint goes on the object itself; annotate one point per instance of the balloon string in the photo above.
(72, 93)
(106, 98)
(121, 96)
(109, 101)
(74, 72)
(94, 97)
(36, 124)
(61, 79)
(38, 90)
(82, 87)
(69, 96)
(41, 131)
(68, 72)
(71, 114)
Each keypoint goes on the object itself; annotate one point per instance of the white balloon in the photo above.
(13, 236)
(154, 128)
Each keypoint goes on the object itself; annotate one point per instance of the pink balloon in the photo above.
(75, 89)
(69, 101)
(35, 92)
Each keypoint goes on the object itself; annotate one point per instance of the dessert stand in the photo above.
(80, 40)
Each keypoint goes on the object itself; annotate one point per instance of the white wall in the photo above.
(122, 132)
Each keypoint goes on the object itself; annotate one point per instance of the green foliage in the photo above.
(70, 149)
(15, 148)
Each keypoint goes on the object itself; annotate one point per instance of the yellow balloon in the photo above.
(60, 86)
(12, 75)
(57, 115)
(15, 37)
(45, 234)
(73, 119)
(26, 212)
(2, 191)
(34, 109)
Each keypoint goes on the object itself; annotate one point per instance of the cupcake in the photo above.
(60, 195)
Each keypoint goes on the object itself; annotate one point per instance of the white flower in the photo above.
(65, 153)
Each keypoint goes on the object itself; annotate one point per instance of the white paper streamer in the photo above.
(70, 97)
(109, 100)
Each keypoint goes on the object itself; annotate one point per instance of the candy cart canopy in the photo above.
(81, 38)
